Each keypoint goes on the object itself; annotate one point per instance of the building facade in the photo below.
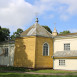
(7, 53)
(34, 48)
(65, 52)
(37, 48)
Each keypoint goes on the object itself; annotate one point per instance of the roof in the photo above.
(36, 30)
(65, 54)
(67, 34)
(6, 42)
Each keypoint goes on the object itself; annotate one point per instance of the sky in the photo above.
(16, 14)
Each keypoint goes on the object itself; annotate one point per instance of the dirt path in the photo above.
(40, 73)
(51, 73)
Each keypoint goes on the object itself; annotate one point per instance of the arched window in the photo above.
(45, 49)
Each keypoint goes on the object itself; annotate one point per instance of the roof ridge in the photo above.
(36, 29)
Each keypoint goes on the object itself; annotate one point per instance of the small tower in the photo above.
(54, 33)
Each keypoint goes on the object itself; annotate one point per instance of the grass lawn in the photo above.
(53, 71)
(20, 69)
(29, 75)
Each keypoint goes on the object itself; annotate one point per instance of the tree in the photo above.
(0, 34)
(0, 27)
(65, 32)
(47, 28)
(4, 34)
(16, 34)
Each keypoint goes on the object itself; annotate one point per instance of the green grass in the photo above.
(22, 69)
(29, 75)
(53, 71)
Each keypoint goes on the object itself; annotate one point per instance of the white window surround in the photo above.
(43, 49)
(61, 62)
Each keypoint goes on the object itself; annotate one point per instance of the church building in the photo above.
(38, 48)
(34, 48)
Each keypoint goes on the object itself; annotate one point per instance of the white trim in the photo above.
(48, 49)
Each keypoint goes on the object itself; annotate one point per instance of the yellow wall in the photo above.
(24, 52)
(43, 61)
(31, 56)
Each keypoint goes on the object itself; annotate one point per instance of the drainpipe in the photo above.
(53, 53)
(9, 49)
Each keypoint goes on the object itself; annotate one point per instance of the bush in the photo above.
(10, 68)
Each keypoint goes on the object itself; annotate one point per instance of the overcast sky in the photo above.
(22, 13)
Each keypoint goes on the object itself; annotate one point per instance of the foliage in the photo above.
(19, 72)
(16, 34)
(24, 69)
(47, 28)
(65, 32)
(4, 34)
(11, 68)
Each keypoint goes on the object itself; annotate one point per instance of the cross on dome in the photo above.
(37, 20)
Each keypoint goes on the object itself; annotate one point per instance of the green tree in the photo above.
(4, 34)
(0, 34)
(65, 32)
(16, 34)
(0, 27)
(47, 28)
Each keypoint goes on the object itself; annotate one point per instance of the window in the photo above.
(67, 46)
(45, 49)
(6, 52)
(61, 62)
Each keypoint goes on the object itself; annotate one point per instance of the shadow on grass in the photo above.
(29, 75)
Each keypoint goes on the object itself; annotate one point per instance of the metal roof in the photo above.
(65, 54)
(36, 30)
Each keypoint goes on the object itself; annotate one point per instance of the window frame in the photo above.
(6, 54)
(66, 49)
(43, 49)
(62, 62)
